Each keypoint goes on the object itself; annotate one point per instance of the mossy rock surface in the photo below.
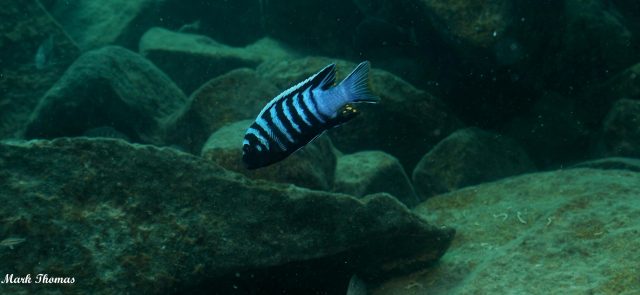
(127, 218)
(542, 233)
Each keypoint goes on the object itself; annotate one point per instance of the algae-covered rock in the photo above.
(25, 30)
(111, 86)
(313, 166)
(572, 231)
(137, 219)
(467, 157)
(406, 122)
(190, 59)
(470, 23)
(237, 95)
(368, 172)
(621, 130)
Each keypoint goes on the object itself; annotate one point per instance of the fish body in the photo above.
(303, 112)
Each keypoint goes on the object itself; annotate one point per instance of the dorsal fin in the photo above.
(323, 79)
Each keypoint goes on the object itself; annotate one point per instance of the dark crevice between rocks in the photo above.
(331, 274)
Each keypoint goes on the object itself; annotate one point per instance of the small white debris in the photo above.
(519, 216)
(549, 220)
(502, 215)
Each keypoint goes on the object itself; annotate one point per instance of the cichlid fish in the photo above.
(303, 112)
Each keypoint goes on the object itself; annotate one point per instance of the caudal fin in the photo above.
(357, 84)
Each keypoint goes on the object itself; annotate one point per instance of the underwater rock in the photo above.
(602, 96)
(596, 44)
(106, 132)
(407, 122)
(137, 219)
(613, 163)
(313, 166)
(551, 132)
(368, 172)
(35, 53)
(93, 24)
(468, 157)
(550, 232)
(621, 130)
(237, 95)
(625, 84)
(191, 59)
(469, 23)
(113, 87)
(630, 10)
(236, 23)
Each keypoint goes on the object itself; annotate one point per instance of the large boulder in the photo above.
(565, 231)
(313, 166)
(467, 157)
(596, 43)
(363, 173)
(630, 10)
(190, 59)
(602, 96)
(111, 86)
(237, 95)
(613, 163)
(138, 219)
(626, 84)
(35, 53)
(93, 24)
(621, 130)
(470, 23)
(406, 122)
(237, 23)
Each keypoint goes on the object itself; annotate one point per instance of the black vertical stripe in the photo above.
(276, 131)
(272, 143)
(315, 104)
(253, 140)
(285, 121)
(296, 117)
(312, 118)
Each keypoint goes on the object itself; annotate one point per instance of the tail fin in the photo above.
(357, 84)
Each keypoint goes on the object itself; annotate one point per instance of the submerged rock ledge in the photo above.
(128, 218)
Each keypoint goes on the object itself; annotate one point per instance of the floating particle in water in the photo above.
(508, 51)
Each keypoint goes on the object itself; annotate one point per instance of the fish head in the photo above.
(253, 154)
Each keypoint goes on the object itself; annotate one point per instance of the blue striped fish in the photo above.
(303, 112)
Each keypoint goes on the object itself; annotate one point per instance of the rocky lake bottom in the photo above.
(503, 157)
